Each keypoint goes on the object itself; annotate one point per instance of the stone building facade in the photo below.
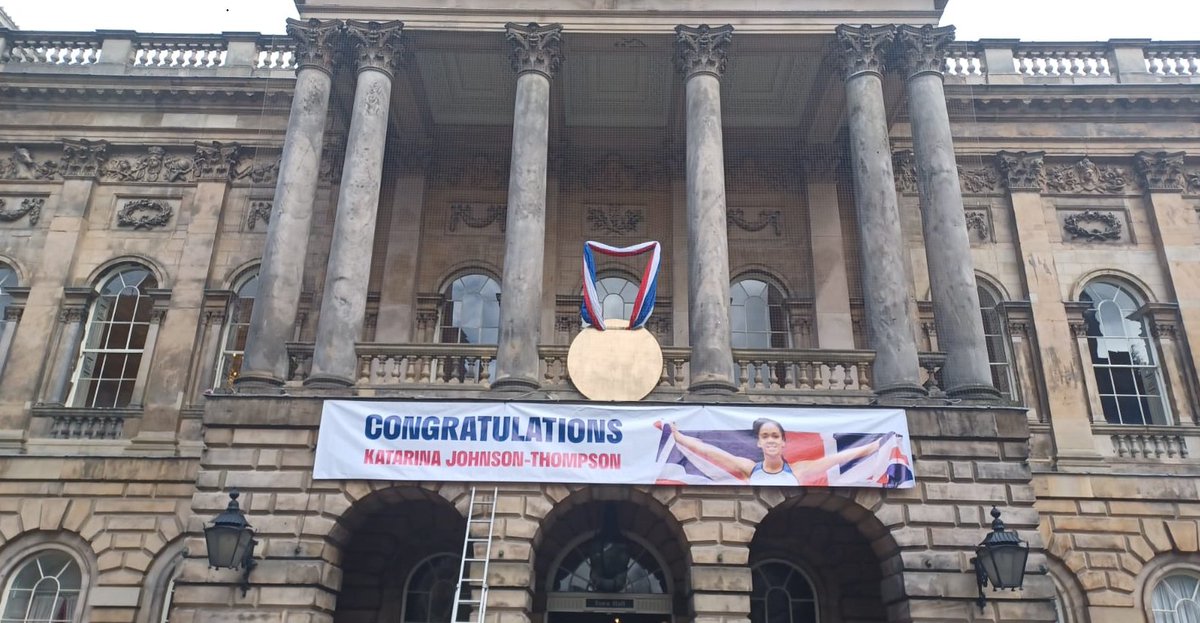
(202, 238)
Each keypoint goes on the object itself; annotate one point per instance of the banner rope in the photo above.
(590, 309)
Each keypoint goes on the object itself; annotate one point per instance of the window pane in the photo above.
(117, 331)
(1127, 374)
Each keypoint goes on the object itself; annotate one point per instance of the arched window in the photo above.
(429, 596)
(607, 565)
(1176, 599)
(115, 339)
(44, 589)
(781, 593)
(237, 326)
(8, 279)
(998, 344)
(1123, 358)
(616, 295)
(756, 315)
(471, 312)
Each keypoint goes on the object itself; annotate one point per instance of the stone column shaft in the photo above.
(281, 274)
(344, 302)
(535, 57)
(966, 372)
(888, 300)
(702, 59)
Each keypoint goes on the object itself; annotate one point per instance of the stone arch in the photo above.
(993, 284)
(762, 273)
(481, 267)
(236, 275)
(19, 549)
(100, 272)
(22, 275)
(1139, 287)
(156, 588)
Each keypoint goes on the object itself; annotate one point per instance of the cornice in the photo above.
(153, 95)
(1156, 101)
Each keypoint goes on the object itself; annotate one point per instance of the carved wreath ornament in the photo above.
(1093, 226)
(31, 206)
(144, 214)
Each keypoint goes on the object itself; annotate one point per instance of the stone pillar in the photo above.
(1063, 375)
(66, 353)
(701, 58)
(536, 55)
(966, 373)
(888, 298)
(831, 286)
(344, 304)
(265, 363)
(398, 298)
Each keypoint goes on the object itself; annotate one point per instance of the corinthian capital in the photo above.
(216, 160)
(702, 50)
(1161, 170)
(535, 47)
(924, 48)
(83, 158)
(377, 45)
(1022, 170)
(314, 39)
(863, 48)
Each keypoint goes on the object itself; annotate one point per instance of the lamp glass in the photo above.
(223, 544)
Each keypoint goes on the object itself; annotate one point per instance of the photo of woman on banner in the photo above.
(783, 458)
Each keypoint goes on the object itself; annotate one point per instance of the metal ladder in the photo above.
(480, 512)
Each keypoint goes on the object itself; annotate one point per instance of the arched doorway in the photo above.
(610, 561)
(400, 558)
(816, 566)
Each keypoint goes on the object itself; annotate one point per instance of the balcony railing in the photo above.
(997, 61)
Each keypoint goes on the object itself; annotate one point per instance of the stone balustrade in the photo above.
(1150, 443)
(1007, 61)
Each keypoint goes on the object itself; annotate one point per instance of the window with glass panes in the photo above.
(429, 597)
(44, 589)
(471, 312)
(617, 295)
(781, 593)
(115, 340)
(756, 315)
(237, 326)
(1123, 357)
(8, 279)
(995, 333)
(1176, 599)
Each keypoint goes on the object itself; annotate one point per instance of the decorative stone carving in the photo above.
(535, 47)
(1086, 177)
(1193, 182)
(766, 218)
(464, 214)
(702, 49)
(614, 219)
(1093, 226)
(259, 172)
(1161, 171)
(924, 48)
(863, 48)
(155, 166)
(904, 168)
(978, 180)
(22, 165)
(71, 314)
(144, 214)
(1162, 330)
(1078, 328)
(377, 45)
(83, 158)
(1018, 328)
(978, 224)
(13, 313)
(31, 207)
(314, 39)
(1022, 170)
(217, 161)
(259, 211)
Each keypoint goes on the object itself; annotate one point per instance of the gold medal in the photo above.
(615, 364)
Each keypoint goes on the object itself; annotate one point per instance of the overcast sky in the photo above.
(1031, 20)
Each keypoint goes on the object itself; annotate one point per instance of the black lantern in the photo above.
(230, 541)
(1000, 559)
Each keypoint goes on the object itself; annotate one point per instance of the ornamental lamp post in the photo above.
(230, 541)
(999, 559)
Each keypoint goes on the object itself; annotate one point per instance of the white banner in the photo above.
(625, 444)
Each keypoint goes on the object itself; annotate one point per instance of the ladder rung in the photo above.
(476, 559)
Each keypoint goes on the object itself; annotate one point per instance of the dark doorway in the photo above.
(606, 617)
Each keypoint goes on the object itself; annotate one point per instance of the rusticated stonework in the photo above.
(1086, 177)
(924, 48)
(702, 49)
(863, 48)
(83, 158)
(1022, 170)
(1161, 171)
(377, 45)
(314, 42)
(535, 47)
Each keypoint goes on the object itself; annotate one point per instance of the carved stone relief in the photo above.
(904, 168)
(1086, 176)
(259, 211)
(156, 165)
(144, 214)
(1161, 170)
(30, 206)
(1193, 182)
(979, 225)
(1094, 226)
(702, 49)
(978, 180)
(22, 165)
(615, 219)
(766, 218)
(477, 216)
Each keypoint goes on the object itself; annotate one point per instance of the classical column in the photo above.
(265, 363)
(888, 299)
(966, 373)
(377, 46)
(701, 57)
(536, 55)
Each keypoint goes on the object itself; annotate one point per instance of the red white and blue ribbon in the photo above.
(592, 310)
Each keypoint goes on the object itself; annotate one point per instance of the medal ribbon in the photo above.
(643, 305)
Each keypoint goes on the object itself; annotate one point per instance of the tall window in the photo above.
(44, 589)
(237, 326)
(996, 336)
(1176, 599)
(471, 313)
(115, 340)
(756, 315)
(429, 597)
(617, 295)
(781, 593)
(1127, 373)
(8, 279)
(606, 565)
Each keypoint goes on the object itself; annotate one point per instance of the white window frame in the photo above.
(227, 355)
(1161, 583)
(783, 331)
(101, 306)
(29, 556)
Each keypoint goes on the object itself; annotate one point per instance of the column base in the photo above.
(256, 382)
(328, 381)
(712, 387)
(903, 389)
(515, 384)
(975, 392)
